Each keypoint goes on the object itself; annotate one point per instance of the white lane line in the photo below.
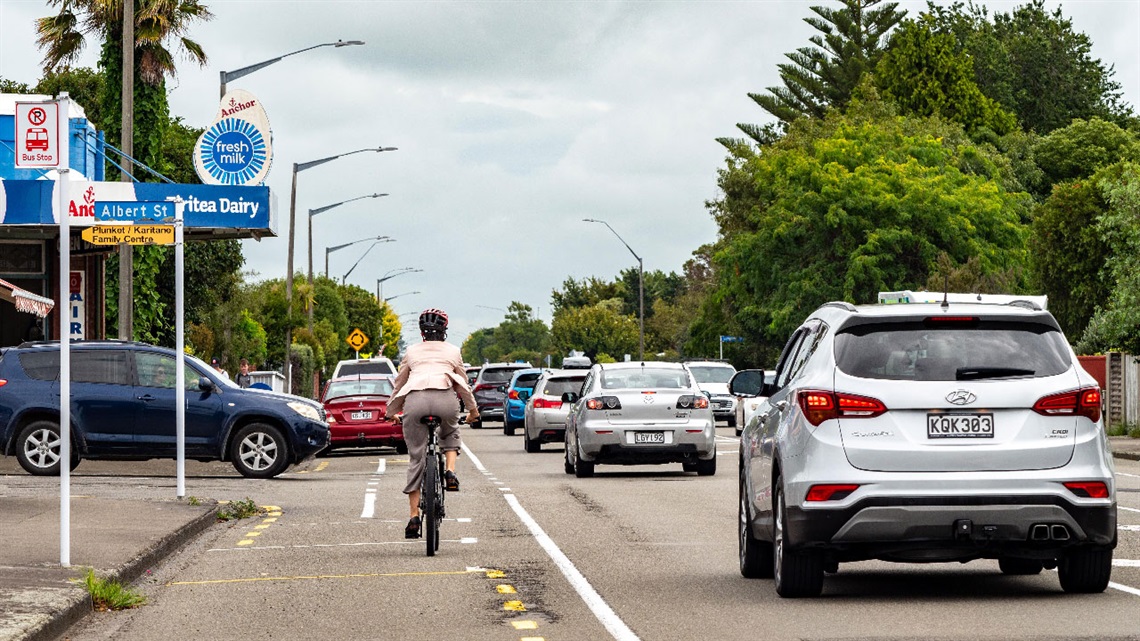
(1124, 588)
(369, 506)
(338, 545)
(1126, 563)
(617, 628)
(383, 466)
(1135, 476)
(1130, 509)
(1129, 528)
(605, 614)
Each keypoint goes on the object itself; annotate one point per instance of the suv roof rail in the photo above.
(841, 304)
(1027, 304)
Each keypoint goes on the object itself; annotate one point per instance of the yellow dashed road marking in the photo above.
(505, 589)
(246, 542)
(532, 639)
(249, 534)
(525, 625)
(261, 527)
(320, 576)
(514, 606)
(269, 520)
(495, 574)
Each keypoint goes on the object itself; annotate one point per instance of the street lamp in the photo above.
(500, 309)
(227, 76)
(329, 250)
(297, 168)
(314, 212)
(640, 287)
(399, 295)
(392, 274)
(344, 280)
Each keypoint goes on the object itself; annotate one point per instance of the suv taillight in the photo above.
(3, 382)
(514, 395)
(1082, 402)
(819, 406)
(543, 404)
(482, 387)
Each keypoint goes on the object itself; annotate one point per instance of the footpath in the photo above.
(120, 539)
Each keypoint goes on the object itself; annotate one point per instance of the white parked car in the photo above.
(352, 367)
(713, 377)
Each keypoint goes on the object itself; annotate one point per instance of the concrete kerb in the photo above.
(127, 573)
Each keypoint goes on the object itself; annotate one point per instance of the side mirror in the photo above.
(502, 388)
(570, 397)
(524, 394)
(747, 382)
(206, 385)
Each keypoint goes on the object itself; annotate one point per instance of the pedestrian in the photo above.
(217, 365)
(243, 377)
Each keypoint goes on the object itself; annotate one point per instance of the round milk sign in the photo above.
(237, 149)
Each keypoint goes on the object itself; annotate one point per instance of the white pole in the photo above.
(722, 348)
(64, 110)
(180, 344)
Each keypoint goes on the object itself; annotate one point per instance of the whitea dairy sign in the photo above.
(238, 148)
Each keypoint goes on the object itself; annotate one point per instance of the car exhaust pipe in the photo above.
(1039, 532)
(1059, 533)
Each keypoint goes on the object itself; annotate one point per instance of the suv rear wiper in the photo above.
(972, 373)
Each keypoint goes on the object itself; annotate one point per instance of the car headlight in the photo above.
(306, 410)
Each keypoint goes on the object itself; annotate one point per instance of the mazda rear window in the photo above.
(952, 351)
(376, 367)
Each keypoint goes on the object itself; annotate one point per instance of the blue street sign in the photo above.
(111, 211)
(732, 339)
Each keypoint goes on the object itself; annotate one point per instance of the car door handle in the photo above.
(147, 397)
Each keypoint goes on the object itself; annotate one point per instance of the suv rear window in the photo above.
(498, 375)
(969, 351)
(43, 366)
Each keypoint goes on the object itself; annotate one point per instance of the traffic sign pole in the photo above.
(180, 346)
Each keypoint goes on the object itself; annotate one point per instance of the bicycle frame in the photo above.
(431, 487)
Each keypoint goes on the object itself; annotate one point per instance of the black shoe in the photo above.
(412, 531)
(450, 481)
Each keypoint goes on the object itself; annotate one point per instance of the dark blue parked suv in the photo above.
(123, 407)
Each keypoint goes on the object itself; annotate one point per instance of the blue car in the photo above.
(514, 403)
(123, 408)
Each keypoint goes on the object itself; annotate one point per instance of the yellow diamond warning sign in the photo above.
(356, 339)
(130, 234)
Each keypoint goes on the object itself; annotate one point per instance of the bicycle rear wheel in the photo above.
(432, 495)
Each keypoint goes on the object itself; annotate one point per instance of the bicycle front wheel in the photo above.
(432, 495)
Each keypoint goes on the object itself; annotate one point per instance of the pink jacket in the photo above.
(431, 365)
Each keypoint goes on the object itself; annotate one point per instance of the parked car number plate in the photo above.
(960, 425)
(649, 437)
(360, 416)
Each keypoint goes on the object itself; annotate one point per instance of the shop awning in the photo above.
(24, 300)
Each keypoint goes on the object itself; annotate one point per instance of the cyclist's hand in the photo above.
(472, 416)
(398, 418)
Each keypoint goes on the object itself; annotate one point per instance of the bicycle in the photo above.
(431, 487)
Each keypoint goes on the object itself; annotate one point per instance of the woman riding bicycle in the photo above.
(430, 376)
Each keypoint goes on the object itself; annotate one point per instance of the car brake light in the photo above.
(1088, 489)
(819, 406)
(603, 402)
(513, 395)
(330, 419)
(1083, 402)
(695, 402)
(959, 320)
(3, 382)
(831, 492)
(542, 403)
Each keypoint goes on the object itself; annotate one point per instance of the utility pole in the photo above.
(127, 144)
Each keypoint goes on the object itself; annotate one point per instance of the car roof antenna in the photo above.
(945, 292)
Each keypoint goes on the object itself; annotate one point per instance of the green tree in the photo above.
(83, 85)
(248, 341)
(520, 336)
(1081, 148)
(854, 204)
(475, 349)
(849, 44)
(1033, 63)
(594, 329)
(926, 74)
(588, 291)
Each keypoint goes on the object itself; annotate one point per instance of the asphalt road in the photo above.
(532, 553)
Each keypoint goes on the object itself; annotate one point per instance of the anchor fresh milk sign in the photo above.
(238, 148)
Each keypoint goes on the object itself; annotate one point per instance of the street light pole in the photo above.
(314, 212)
(329, 250)
(399, 295)
(344, 280)
(297, 168)
(640, 287)
(227, 76)
(391, 274)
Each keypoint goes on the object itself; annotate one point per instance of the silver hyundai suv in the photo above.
(923, 433)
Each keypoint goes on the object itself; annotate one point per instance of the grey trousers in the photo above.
(440, 402)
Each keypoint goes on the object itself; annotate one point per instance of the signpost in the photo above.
(356, 340)
(729, 339)
(133, 211)
(130, 234)
(39, 142)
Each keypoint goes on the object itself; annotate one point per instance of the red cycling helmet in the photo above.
(433, 320)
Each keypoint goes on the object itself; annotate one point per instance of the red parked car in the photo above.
(355, 406)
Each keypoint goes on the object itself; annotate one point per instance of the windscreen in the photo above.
(645, 378)
(363, 387)
(369, 367)
(559, 386)
(952, 351)
(705, 374)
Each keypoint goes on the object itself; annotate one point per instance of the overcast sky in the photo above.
(514, 121)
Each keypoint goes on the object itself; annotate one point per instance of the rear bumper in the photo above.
(349, 435)
(604, 443)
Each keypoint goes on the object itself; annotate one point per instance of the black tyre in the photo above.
(739, 431)
(755, 556)
(567, 464)
(582, 469)
(259, 451)
(1020, 567)
(401, 448)
(38, 449)
(798, 573)
(1086, 570)
(477, 425)
(509, 428)
(706, 468)
(732, 421)
(689, 467)
(531, 445)
(432, 495)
